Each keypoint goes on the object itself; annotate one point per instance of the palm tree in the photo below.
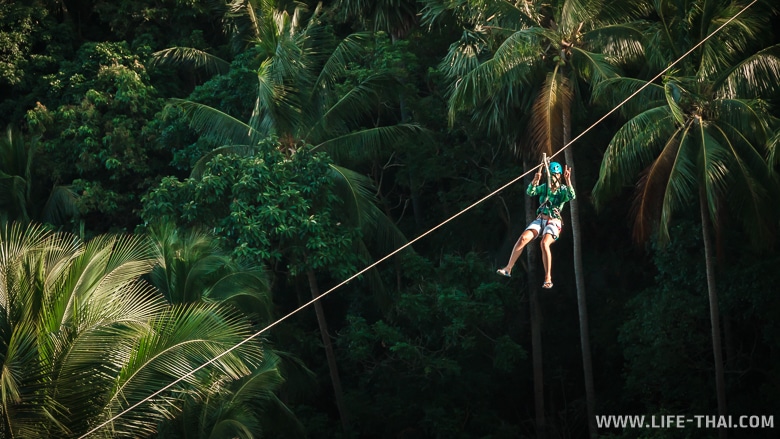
(530, 57)
(84, 338)
(22, 198)
(301, 103)
(699, 136)
(191, 267)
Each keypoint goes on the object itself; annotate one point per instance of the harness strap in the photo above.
(556, 213)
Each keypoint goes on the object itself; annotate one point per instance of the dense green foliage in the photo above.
(176, 175)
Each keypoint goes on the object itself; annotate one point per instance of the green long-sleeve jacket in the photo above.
(556, 199)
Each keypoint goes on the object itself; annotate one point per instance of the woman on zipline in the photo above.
(552, 197)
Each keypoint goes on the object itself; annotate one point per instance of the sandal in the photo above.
(503, 272)
(547, 285)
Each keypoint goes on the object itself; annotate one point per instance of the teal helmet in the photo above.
(555, 168)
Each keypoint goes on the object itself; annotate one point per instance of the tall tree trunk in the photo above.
(532, 253)
(579, 280)
(329, 353)
(717, 346)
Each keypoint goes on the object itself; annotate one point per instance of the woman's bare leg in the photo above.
(526, 237)
(547, 240)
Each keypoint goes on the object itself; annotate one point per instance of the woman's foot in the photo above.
(504, 272)
(547, 284)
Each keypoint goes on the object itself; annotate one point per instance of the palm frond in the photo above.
(351, 109)
(237, 408)
(362, 211)
(356, 191)
(731, 42)
(221, 127)
(299, 379)
(191, 267)
(650, 188)
(16, 239)
(750, 182)
(252, 402)
(620, 12)
(26, 407)
(278, 106)
(266, 92)
(188, 336)
(60, 206)
(200, 166)
(681, 186)
(179, 341)
(593, 67)
(492, 114)
(744, 118)
(631, 149)
(370, 142)
(432, 11)
(26, 368)
(511, 67)
(260, 385)
(546, 122)
(107, 266)
(77, 331)
(99, 350)
(61, 250)
(192, 58)
(349, 50)
(505, 15)
(16, 157)
(290, 60)
(464, 55)
(616, 91)
(249, 291)
(752, 77)
(517, 58)
(715, 161)
(661, 47)
(621, 43)
(248, 21)
(398, 20)
(575, 12)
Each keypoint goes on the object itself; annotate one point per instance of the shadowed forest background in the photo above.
(176, 175)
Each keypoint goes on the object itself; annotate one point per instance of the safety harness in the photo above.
(556, 214)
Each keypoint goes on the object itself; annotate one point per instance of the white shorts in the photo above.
(547, 226)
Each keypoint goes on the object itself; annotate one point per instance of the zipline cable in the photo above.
(408, 244)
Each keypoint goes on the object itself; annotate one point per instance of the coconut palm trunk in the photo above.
(329, 352)
(532, 254)
(717, 347)
(579, 279)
